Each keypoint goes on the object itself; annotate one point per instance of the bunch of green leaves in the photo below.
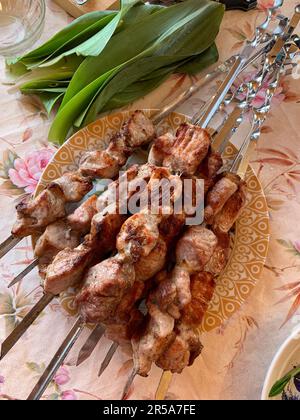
(105, 60)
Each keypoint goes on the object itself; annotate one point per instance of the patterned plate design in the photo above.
(250, 242)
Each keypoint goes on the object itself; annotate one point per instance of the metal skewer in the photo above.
(24, 273)
(8, 244)
(57, 361)
(28, 320)
(90, 344)
(110, 354)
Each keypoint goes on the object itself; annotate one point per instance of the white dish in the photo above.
(287, 357)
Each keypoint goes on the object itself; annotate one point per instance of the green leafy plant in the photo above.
(103, 61)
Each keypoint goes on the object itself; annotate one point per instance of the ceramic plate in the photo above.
(249, 244)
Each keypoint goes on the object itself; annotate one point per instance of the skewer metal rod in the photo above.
(24, 273)
(90, 344)
(108, 358)
(129, 383)
(8, 244)
(57, 361)
(26, 322)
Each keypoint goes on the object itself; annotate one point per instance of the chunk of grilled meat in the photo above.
(195, 248)
(34, 214)
(209, 169)
(179, 300)
(232, 209)
(80, 219)
(219, 195)
(103, 296)
(137, 131)
(67, 269)
(202, 287)
(184, 152)
(57, 236)
(105, 227)
(151, 343)
(104, 286)
(182, 351)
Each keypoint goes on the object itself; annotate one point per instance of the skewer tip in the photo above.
(128, 384)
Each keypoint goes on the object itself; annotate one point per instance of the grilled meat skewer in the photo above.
(34, 214)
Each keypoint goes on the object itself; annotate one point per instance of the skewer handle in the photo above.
(57, 361)
(28, 320)
(8, 244)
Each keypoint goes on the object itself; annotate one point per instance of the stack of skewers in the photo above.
(146, 279)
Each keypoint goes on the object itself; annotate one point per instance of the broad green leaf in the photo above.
(134, 40)
(159, 55)
(77, 46)
(144, 86)
(280, 385)
(200, 62)
(74, 31)
(49, 100)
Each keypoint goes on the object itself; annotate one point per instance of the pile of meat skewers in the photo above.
(122, 260)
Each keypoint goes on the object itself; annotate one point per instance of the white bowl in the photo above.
(287, 357)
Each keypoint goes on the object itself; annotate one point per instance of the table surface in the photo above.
(237, 355)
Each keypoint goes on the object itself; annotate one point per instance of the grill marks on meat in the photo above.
(184, 152)
(34, 214)
(137, 131)
(138, 236)
(156, 338)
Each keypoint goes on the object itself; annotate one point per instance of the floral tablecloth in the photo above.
(236, 356)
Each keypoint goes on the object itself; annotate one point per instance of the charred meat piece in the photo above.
(219, 194)
(138, 236)
(229, 214)
(195, 248)
(189, 150)
(81, 219)
(219, 259)
(161, 148)
(36, 213)
(181, 352)
(209, 169)
(202, 290)
(104, 286)
(147, 267)
(154, 340)
(73, 185)
(137, 131)
(67, 269)
(57, 236)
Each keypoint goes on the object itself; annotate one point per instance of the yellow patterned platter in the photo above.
(249, 243)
